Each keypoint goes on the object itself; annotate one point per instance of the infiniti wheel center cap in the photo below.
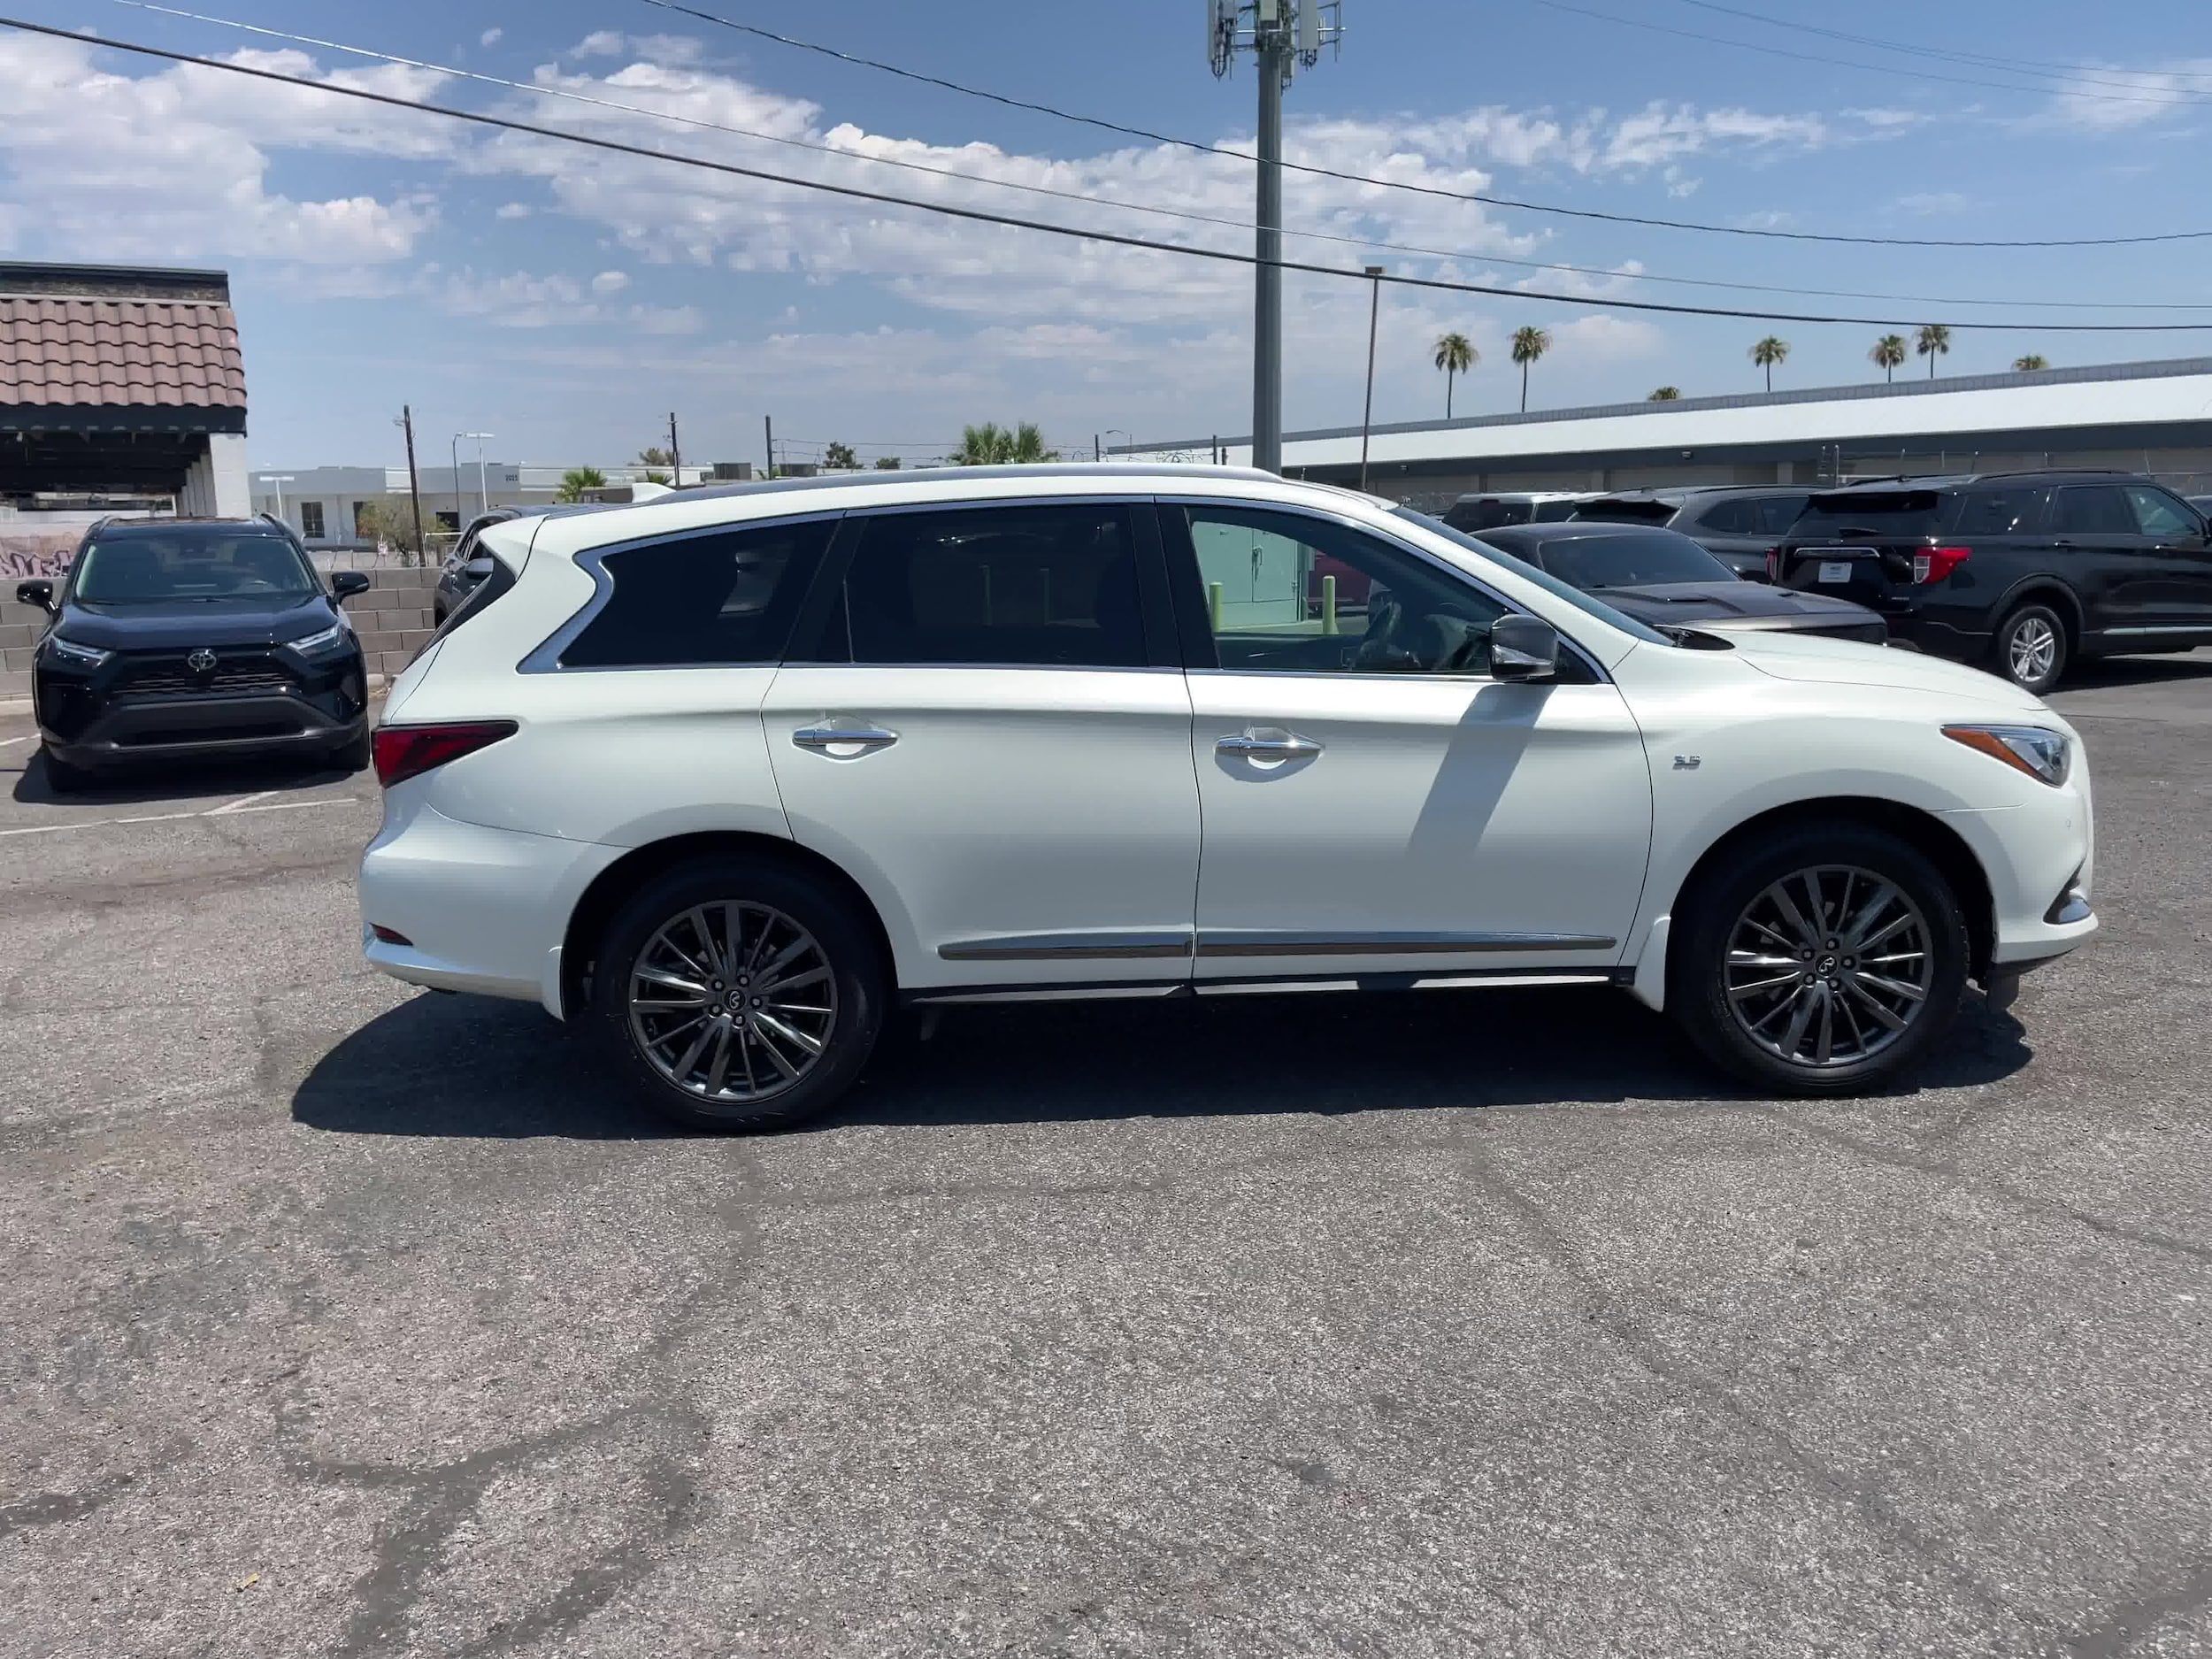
(735, 1001)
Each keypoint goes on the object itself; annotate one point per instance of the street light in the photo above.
(279, 479)
(483, 502)
(1367, 415)
(1125, 433)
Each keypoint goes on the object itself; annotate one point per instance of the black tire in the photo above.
(2031, 647)
(763, 889)
(354, 755)
(1722, 903)
(63, 779)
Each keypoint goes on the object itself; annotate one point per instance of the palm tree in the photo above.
(1767, 352)
(1454, 356)
(1935, 341)
(1029, 445)
(1528, 345)
(1889, 351)
(577, 480)
(991, 445)
(2029, 364)
(1665, 395)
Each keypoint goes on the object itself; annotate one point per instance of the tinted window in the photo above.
(1730, 517)
(1998, 511)
(1549, 583)
(2159, 514)
(726, 597)
(311, 520)
(1632, 559)
(1627, 511)
(1044, 586)
(1879, 514)
(1774, 514)
(1554, 511)
(2091, 510)
(206, 561)
(1286, 592)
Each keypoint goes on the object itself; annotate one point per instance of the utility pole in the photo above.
(1097, 453)
(1367, 413)
(1282, 35)
(769, 422)
(675, 454)
(414, 482)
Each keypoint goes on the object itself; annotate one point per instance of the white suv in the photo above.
(726, 774)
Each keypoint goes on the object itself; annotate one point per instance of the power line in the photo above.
(2044, 66)
(1845, 63)
(1150, 136)
(1468, 255)
(1014, 221)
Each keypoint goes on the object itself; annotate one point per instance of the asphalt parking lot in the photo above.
(343, 1319)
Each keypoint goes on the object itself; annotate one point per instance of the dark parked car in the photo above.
(1660, 577)
(194, 637)
(464, 569)
(1487, 510)
(2021, 573)
(1739, 525)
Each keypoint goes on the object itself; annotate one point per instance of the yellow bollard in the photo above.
(1328, 604)
(1213, 606)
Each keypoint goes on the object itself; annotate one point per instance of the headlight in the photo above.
(74, 655)
(333, 638)
(2043, 754)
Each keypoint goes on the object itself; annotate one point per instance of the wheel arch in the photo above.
(1927, 834)
(595, 908)
(2051, 591)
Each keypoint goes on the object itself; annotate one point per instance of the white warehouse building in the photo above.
(2153, 418)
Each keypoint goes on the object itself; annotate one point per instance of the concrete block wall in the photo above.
(392, 620)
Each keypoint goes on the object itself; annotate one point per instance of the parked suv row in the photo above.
(2021, 572)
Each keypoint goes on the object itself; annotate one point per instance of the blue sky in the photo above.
(566, 300)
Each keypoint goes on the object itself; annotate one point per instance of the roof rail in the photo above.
(2065, 472)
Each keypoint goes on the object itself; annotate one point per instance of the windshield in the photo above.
(191, 562)
(1550, 584)
(1884, 513)
(1632, 560)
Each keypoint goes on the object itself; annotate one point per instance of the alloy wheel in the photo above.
(732, 1002)
(1829, 966)
(2033, 649)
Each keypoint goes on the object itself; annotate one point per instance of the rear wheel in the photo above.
(1825, 963)
(2031, 648)
(737, 994)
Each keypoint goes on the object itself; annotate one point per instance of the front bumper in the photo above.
(132, 730)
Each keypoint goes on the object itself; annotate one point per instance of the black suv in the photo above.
(464, 567)
(2019, 572)
(1739, 524)
(194, 637)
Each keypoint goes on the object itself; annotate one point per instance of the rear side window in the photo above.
(1773, 515)
(728, 597)
(993, 586)
(1876, 514)
(2091, 510)
(1730, 517)
(1999, 512)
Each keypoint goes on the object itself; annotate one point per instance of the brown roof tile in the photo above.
(132, 353)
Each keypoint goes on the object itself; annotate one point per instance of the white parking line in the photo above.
(242, 804)
(9, 742)
(172, 818)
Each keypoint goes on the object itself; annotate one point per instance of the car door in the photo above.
(1372, 801)
(2181, 600)
(986, 726)
(2104, 557)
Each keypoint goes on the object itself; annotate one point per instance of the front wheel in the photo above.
(2031, 648)
(1824, 962)
(738, 994)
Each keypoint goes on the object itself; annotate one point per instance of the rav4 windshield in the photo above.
(191, 562)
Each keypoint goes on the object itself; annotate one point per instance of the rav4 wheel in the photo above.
(1825, 962)
(2031, 647)
(739, 995)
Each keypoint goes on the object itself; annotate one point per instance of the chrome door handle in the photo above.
(822, 739)
(1266, 745)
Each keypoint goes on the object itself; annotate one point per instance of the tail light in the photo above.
(407, 751)
(1774, 566)
(1937, 563)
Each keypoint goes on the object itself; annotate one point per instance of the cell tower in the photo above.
(1285, 36)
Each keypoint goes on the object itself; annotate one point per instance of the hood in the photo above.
(183, 624)
(1812, 656)
(1752, 603)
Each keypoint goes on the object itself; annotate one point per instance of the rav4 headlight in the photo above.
(75, 656)
(334, 638)
(2045, 755)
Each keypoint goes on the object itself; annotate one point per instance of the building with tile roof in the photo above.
(120, 383)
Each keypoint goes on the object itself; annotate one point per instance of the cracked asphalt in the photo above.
(341, 1319)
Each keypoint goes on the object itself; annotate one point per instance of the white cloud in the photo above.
(513, 209)
(611, 282)
(2109, 100)
(598, 43)
(490, 38)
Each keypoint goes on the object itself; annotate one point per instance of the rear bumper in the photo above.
(131, 730)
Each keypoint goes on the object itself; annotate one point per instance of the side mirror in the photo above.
(1523, 647)
(478, 568)
(345, 584)
(39, 594)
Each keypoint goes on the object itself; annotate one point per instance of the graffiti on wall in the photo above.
(26, 553)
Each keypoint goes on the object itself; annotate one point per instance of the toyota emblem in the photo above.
(200, 662)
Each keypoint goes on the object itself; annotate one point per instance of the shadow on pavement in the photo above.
(2136, 671)
(155, 781)
(457, 1066)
